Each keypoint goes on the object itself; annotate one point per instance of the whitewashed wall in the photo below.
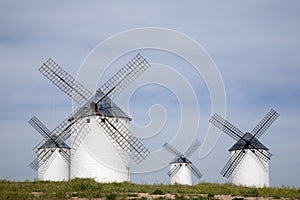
(97, 157)
(183, 176)
(251, 171)
(56, 168)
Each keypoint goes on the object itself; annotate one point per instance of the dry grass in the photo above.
(89, 189)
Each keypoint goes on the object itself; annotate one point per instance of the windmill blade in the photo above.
(37, 147)
(226, 127)
(39, 127)
(110, 89)
(65, 154)
(233, 163)
(117, 132)
(65, 82)
(138, 152)
(174, 170)
(79, 130)
(259, 160)
(41, 158)
(264, 124)
(62, 131)
(194, 146)
(125, 76)
(55, 141)
(195, 171)
(264, 155)
(173, 150)
(46, 165)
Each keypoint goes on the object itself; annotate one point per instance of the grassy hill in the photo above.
(89, 189)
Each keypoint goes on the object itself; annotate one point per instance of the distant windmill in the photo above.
(248, 164)
(181, 168)
(99, 129)
(53, 158)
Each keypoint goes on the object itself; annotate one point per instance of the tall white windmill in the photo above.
(249, 158)
(52, 162)
(181, 168)
(99, 129)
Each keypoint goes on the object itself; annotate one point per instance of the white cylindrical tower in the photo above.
(98, 156)
(183, 176)
(56, 167)
(252, 171)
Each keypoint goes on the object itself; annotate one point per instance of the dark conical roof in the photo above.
(49, 143)
(180, 159)
(240, 144)
(106, 107)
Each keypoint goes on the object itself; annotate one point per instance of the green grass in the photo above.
(88, 188)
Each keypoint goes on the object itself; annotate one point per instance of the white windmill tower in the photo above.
(249, 158)
(100, 137)
(181, 168)
(52, 162)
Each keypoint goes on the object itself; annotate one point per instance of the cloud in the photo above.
(254, 44)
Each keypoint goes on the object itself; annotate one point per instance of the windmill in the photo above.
(248, 164)
(181, 168)
(53, 158)
(101, 142)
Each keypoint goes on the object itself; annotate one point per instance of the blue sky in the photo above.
(254, 44)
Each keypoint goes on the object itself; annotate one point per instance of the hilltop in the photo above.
(80, 189)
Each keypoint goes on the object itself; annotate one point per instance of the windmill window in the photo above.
(88, 120)
(116, 120)
(185, 164)
(102, 120)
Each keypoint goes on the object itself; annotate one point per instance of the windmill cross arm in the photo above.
(174, 170)
(41, 158)
(264, 124)
(194, 146)
(40, 127)
(125, 76)
(118, 133)
(195, 171)
(263, 154)
(65, 82)
(226, 127)
(172, 150)
(233, 163)
(110, 89)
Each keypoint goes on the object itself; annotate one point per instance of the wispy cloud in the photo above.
(254, 45)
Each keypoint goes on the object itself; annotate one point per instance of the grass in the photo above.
(88, 188)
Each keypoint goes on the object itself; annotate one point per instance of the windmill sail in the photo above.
(181, 161)
(245, 141)
(90, 104)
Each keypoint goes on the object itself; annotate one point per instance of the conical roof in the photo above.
(106, 107)
(49, 143)
(240, 144)
(109, 109)
(180, 159)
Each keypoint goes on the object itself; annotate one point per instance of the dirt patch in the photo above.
(229, 197)
(153, 196)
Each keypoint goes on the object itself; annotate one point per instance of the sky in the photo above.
(254, 46)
